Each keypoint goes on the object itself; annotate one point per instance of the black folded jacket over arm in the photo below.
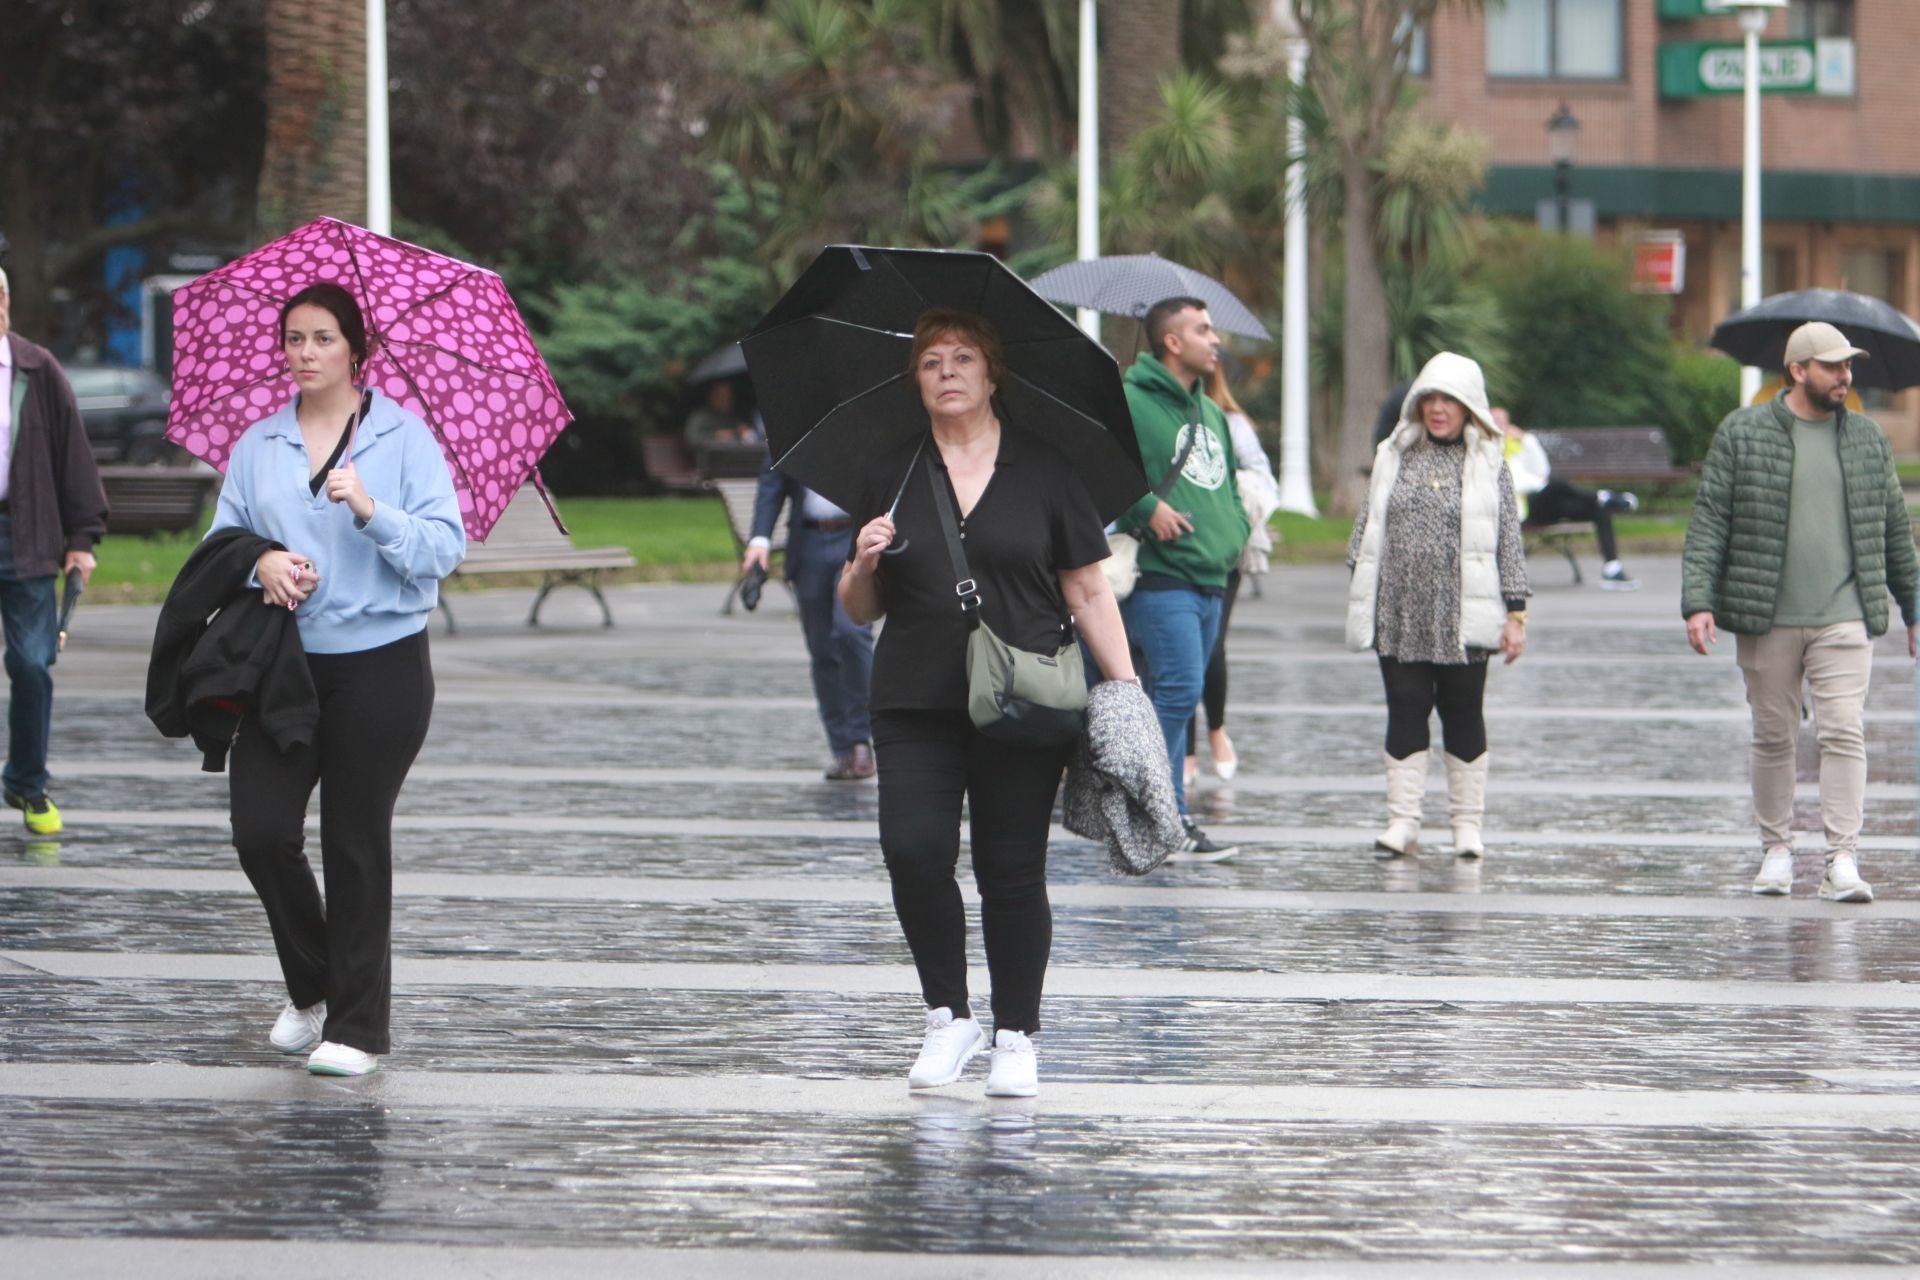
(219, 653)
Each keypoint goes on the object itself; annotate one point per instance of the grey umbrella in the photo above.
(728, 362)
(1758, 335)
(1129, 285)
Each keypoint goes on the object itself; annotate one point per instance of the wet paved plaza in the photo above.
(653, 1014)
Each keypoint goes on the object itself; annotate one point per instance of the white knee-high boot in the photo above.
(1467, 801)
(1406, 791)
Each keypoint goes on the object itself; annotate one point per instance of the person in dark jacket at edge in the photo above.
(52, 513)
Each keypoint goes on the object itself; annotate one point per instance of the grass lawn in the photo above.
(686, 539)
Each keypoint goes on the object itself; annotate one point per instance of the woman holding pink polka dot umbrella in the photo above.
(357, 455)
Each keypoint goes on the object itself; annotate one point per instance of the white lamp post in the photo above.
(1753, 21)
(379, 172)
(1089, 189)
(1296, 474)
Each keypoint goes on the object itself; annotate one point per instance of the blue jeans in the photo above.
(842, 651)
(31, 621)
(1175, 630)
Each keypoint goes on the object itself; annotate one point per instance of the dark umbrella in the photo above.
(829, 363)
(69, 598)
(727, 362)
(1758, 335)
(1130, 284)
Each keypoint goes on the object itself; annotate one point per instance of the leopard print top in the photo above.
(1417, 615)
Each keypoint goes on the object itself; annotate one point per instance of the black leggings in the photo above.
(1562, 501)
(1415, 689)
(374, 708)
(1213, 695)
(929, 761)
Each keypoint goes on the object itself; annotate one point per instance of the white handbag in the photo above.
(1122, 565)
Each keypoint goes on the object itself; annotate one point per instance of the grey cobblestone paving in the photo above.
(1600, 815)
(1633, 751)
(1365, 1044)
(958, 1180)
(1865, 949)
(1513, 868)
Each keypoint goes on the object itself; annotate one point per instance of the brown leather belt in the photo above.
(828, 526)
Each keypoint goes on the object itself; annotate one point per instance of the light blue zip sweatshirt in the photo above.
(379, 581)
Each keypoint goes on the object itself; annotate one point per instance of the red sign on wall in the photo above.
(1660, 262)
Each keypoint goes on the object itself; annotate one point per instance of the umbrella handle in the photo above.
(899, 545)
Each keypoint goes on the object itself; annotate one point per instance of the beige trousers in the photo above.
(1836, 662)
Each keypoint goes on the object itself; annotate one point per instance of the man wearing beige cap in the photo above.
(1798, 534)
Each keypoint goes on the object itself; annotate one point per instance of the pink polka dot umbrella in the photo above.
(443, 337)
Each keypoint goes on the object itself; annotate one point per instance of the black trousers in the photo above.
(1213, 695)
(929, 761)
(1562, 501)
(1416, 689)
(374, 709)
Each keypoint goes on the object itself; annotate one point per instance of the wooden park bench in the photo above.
(525, 540)
(670, 463)
(150, 500)
(1595, 457)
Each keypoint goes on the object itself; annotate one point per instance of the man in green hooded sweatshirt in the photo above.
(1191, 537)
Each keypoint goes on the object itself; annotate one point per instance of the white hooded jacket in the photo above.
(1483, 610)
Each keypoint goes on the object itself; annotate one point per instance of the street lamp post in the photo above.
(1563, 132)
(1753, 20)
(1296, 471)
(1088, 193)
(379, 174)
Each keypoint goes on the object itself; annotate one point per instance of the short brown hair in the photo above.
(955, 325)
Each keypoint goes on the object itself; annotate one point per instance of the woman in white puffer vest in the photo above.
(1439, 583)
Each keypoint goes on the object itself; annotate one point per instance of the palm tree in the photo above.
(1358, 74)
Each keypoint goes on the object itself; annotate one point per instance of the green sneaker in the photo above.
(42, 818)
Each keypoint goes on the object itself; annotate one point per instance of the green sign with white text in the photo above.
(1702, 69)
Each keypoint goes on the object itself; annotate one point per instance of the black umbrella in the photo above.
(1758, 335)
(1130, 284)
(71, 597)
(829, 364)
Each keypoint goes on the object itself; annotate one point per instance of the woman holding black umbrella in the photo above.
(1033, 543)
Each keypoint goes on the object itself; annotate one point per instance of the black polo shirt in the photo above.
(1033, 520)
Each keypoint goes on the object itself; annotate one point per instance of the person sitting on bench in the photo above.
(1544, 500)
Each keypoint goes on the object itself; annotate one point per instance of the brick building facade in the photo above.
(1841, 161)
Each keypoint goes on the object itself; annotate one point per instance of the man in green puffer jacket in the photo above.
(1189, 540)
(1799, 532)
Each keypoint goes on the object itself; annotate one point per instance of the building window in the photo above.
(1416, 56)
(1554, 39)
(1776, 271)
(1876, 273)
(1820, 19)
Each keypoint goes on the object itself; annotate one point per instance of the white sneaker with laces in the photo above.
(1843, 882)
(332, 1059)
(1014, 1071)
(1776, 873)
(951, 1043)
(298, 1030)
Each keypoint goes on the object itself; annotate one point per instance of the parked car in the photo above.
(126, 414)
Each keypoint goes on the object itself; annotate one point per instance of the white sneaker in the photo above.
(1776, 873)
(332, 1059)
(1843, 882)
(951, 1043)
(298, 1030)
(1015, 1072)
